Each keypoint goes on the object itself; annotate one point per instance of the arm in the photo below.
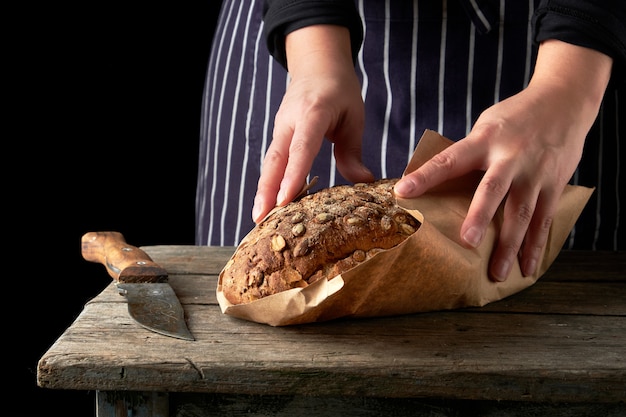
(529, 146)
(323, 99)
(599, 25)
(282, 17)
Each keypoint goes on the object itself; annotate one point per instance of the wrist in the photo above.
(581, 72)
(318, 49)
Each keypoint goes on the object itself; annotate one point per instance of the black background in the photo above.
(101, 134)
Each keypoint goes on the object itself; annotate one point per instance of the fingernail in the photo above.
(280, 198)
(500, 270)
(256, 212)
(473, 236)
(403, 187)
(529, 267)
(257, 208)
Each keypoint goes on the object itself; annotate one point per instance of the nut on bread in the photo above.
(317, 236)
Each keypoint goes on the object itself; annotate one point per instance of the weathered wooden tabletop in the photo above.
(561, 342)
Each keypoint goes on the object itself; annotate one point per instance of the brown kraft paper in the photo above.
(429, 271)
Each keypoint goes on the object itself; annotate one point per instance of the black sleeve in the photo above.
(597, 24)
(284, 16)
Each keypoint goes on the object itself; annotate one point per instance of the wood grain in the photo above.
(561, 340)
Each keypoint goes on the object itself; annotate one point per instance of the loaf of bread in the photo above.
(317, 236)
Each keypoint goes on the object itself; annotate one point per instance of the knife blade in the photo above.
(152, 302)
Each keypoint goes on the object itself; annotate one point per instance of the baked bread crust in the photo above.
(317, 236)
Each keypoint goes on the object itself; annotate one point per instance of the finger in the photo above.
(347, 151)
(351, 166)
(458, 159)
(538, 232)
(488, 196)
(272, 172)
(304, 147)
(519, 210)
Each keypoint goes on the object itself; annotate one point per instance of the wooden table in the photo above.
(557, 348)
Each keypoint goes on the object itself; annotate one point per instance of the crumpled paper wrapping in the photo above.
(429, 271)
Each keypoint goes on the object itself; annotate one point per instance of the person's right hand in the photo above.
(323, 100)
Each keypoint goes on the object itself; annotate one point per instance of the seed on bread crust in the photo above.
(278, 243)
(298, 229)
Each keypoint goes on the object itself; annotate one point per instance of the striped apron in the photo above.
(423, 65)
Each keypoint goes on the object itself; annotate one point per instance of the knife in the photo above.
(152, 302)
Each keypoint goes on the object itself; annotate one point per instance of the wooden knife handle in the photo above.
(124, 262)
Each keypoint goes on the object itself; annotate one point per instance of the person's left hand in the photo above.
(528, 146)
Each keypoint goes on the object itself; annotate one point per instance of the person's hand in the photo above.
(528, 146)
(323, 99)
